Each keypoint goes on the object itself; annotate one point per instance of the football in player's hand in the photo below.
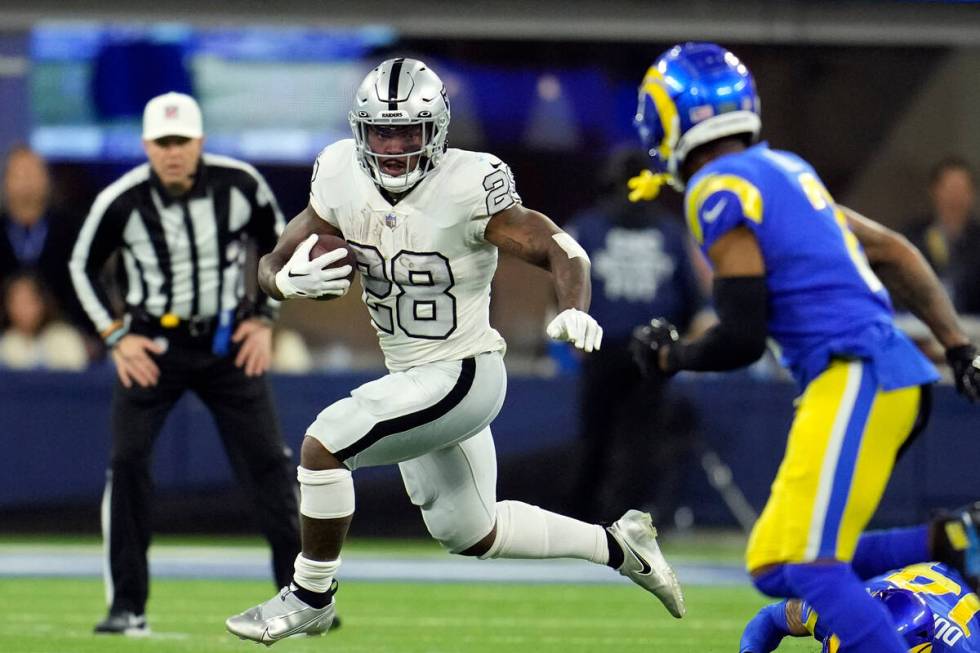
(327, 243)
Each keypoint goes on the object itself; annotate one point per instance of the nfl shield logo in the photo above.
(391, 220)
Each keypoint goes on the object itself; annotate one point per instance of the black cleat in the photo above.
(123, 622)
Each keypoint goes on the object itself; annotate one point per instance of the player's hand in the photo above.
(576, 327)
(965, 363)
(255, 350)
(649, 346)
(301, 277)
(133, 362)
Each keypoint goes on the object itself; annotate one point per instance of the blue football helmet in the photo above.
(693, 94)
(911, 615)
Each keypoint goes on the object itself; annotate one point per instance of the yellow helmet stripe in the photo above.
(655, 86)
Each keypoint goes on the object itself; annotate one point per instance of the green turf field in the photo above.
(55, 615)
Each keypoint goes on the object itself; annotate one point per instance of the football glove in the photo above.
(301, 277)
(965, 363)
(576, 327)
(647, 341)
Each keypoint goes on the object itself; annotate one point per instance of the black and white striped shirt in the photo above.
(183, 256)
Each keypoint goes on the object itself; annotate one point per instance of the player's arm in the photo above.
(740, 297)
(907, 275)
(530, 236)
(771, 624)
(533, 237)
(291, 255)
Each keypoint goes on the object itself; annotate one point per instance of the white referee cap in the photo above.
(172, 114)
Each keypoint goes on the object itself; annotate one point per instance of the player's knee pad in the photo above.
(774, 583)
(325, 493)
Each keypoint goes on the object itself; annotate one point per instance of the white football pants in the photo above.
(433, 420)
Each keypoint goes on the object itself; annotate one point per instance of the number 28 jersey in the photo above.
(424, 264)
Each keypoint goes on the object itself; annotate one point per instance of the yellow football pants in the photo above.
(841, 451)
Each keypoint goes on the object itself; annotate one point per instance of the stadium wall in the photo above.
(56, 447)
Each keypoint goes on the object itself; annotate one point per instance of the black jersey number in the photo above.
(425, 307)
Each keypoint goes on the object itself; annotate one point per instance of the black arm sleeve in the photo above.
(738, 339)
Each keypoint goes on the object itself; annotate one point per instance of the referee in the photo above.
(182, 224)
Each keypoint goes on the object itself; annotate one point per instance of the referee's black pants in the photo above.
(246, 420)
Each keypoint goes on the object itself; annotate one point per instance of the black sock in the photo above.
(313, 599)
(616, 555)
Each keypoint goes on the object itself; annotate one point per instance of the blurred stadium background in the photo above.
(872, 93)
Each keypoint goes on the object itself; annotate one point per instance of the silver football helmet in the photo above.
(401, 92)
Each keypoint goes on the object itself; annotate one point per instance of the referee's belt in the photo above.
(174, 325)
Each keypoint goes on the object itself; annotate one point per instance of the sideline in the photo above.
(246, 563)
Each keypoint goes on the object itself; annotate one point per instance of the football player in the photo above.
(792, 264)
(933, 605)
(425, 223)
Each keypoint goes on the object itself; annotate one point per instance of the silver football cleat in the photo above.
(284, 615)
(644, 564)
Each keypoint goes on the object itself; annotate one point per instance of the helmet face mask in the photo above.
(395, 97)
(693, 94)
(396, 150)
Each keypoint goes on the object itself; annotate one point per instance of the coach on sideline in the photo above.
(182, 224)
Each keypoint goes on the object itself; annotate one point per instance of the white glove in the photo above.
(301, 277)
(576, 327)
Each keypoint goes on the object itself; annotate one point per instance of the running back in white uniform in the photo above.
(425, 266)
(426, 271)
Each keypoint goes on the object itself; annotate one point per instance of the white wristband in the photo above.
(571, 248)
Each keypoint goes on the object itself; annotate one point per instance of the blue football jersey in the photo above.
(954, 605)
(824, 300)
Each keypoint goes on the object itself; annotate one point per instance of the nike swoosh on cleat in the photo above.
(645, 567)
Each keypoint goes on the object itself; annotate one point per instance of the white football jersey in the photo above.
(424, 264)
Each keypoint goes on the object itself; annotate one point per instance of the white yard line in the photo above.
(253, 563)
